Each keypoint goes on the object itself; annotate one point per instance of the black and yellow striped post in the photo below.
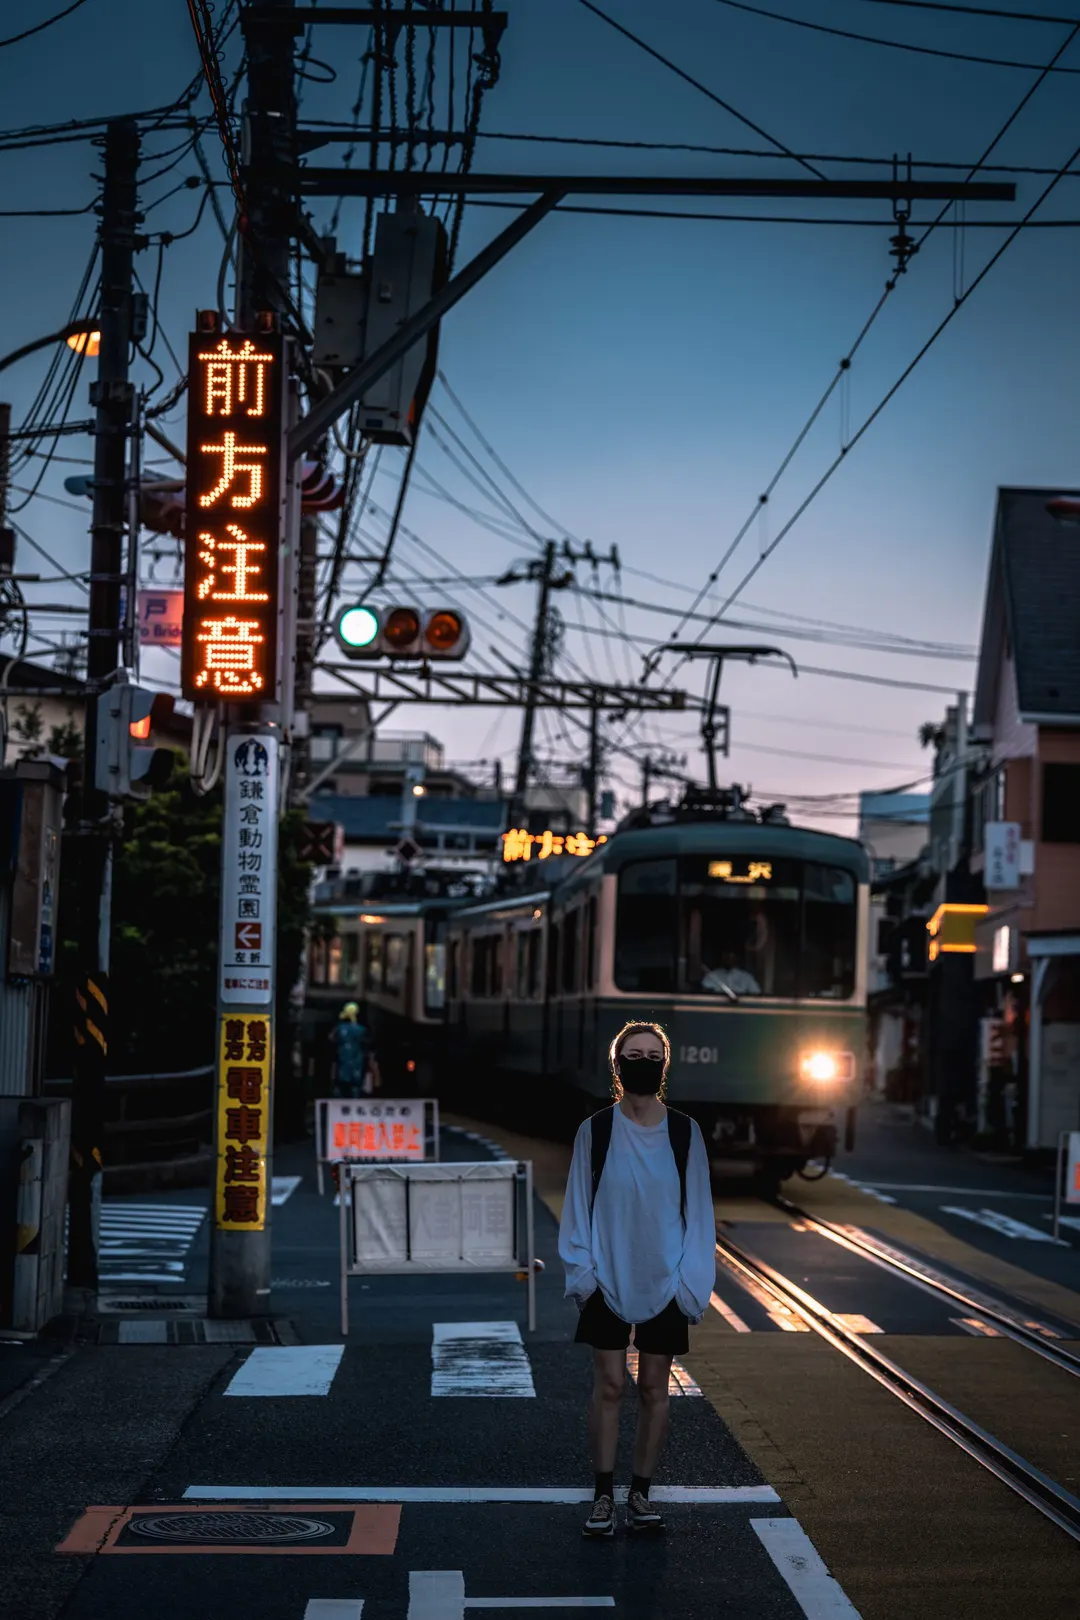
(91, 1033)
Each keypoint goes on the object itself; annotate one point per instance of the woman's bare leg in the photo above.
(609, 1381)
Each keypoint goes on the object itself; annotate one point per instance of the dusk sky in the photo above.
(643, 379)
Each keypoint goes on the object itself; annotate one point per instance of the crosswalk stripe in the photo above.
(479, 1358)
(294, 1369)
(436, 1494)
(1004, 1224)
(679, 1380)
(160, 1235)
(334, 1609)
(818, 1595)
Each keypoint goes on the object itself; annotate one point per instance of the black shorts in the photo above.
(665, 1335)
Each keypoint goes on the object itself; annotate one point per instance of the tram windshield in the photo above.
(735, 927)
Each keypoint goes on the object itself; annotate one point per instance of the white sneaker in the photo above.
(601, 1521)
(640, 1513)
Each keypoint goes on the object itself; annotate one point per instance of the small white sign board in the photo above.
(161, 618)
(248, 887)
(1002, 855)
(406, 1219)
(370, 1130)
(1072, 1168)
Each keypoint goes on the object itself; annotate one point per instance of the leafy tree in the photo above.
(163, 973)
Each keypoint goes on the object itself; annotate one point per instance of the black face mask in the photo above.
(641, 1076)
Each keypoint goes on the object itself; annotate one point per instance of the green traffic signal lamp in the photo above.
(357, 629)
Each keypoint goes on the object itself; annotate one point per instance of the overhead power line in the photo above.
(38, 28)
(978, 11)
(681, 73)
(888, 44)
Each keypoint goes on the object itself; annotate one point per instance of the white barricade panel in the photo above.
(380, 1224)
(487, 1220)
(435, 1220)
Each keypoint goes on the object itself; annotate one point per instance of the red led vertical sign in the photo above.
(236, 392)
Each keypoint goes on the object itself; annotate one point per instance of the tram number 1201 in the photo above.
(699, 1054)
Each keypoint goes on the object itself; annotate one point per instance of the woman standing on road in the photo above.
(638, 1245)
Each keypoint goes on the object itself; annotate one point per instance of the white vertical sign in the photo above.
(1002, 855)
(249, 870)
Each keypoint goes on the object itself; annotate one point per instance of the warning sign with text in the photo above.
(248, 889)
(243, 1123)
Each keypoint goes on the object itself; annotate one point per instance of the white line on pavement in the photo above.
(540, 1603)
(479, 1358)
(818, 1595)
(436, 1594)
(334, 1609)
(282, 1188)
(967, 1192)
(717, 1495)
(1004, 1224)
(730, 1316)
(1071, 1221)
(295, 1369)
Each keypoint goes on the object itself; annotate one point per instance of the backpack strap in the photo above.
(679, 1134)
(601, 1124)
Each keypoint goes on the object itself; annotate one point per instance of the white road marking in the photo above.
(855, 1323)
(479, 1358)
(436, 1594)
(540, 1603)
(864, 1186)
(159, 1235)
(679, 1380)
(143, 1332)
(1004, 1224)
(334, 1609)
(716, 1495)
(967, 1192)
(294, 1369)
(730, 1316)
(282, 1187)
(1071, 1221)
(818, 1595)
(972, 1325)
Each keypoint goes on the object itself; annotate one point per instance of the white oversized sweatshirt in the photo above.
(633, 1248)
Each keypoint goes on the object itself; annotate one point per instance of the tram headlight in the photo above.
(819, 1066)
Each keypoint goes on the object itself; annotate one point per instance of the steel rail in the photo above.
(1038, 1489)
(1005, 1320)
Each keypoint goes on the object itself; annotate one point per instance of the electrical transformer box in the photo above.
(407, 268)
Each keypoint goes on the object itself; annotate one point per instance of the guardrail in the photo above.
(158, 1128)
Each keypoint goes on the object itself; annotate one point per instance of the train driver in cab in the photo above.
(730, 976)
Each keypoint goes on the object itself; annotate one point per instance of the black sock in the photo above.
(638, 1482)
(605, 1485)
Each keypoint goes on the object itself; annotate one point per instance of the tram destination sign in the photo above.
(236, 394)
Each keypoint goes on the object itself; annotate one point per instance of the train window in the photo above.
(350, 967)
(571, 927)
(434, 978)
(521, 968)
(765, 928)
(453, 971)
(590, 953)
(333, 961)
(397, 959)
(496, 979)
(533, 980)
(827, 966)
(373, 963)
(646, 926)
(317, 959)
(553, 960)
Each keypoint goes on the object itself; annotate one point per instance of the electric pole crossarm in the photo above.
(491, 23)
(506, 691)
(323, 182)
(310, 429)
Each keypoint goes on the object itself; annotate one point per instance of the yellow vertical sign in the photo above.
(243, 1122)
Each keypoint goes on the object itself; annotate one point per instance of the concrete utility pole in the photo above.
(239, 1285)
(543, 573)
(112, 396)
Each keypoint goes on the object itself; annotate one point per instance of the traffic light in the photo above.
(402, 632)
(127, 764)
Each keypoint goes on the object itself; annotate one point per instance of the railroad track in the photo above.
(1043, 1493)
(1034, 1335)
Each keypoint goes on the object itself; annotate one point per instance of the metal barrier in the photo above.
(157, 1126)
(410, 1219)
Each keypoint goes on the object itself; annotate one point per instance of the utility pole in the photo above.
(592, 771)
(543, 574)
(112, 397)
(239, 1285)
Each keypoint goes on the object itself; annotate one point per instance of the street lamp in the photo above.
(82, 336)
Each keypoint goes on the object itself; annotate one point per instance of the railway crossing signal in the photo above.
(319, 843)
(401, 632)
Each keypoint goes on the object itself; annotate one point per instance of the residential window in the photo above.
(1061, 804)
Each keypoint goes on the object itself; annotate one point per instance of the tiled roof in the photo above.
(1033, 606)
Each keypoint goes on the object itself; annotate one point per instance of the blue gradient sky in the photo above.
(644, 378)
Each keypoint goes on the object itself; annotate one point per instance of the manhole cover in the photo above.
(230, 1527)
